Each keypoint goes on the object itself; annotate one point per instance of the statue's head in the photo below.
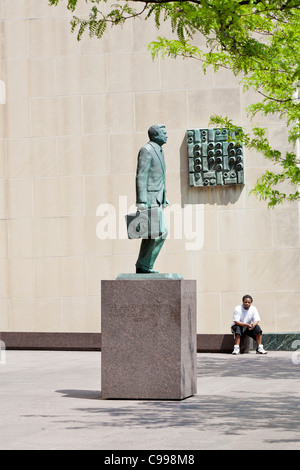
(157, 133)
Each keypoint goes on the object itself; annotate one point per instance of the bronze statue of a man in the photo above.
(151, 192)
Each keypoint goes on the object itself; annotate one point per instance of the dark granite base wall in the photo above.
(92, 341)
(52, 341)
(220, 343)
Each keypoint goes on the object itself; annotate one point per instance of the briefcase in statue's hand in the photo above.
(144, 223)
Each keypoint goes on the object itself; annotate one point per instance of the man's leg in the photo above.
(237, 331)
(237, 340)
(149, 251)
(258, 338)
(151, 247)
(256, 334)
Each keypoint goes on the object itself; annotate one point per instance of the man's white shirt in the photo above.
(245, 316)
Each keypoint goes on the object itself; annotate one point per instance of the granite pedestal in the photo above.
(148, 338)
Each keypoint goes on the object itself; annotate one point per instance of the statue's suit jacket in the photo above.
(150, 175)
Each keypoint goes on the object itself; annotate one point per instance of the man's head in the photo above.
(158, 134)
(247, 301)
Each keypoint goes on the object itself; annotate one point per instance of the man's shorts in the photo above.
(243, 330)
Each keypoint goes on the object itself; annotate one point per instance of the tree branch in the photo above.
(274, 99)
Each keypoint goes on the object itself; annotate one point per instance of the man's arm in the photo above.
(253, 324)
(144, 162)
(255, 317)
(250, 326)
(240, 323)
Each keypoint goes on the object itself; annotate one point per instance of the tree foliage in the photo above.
(259, 40)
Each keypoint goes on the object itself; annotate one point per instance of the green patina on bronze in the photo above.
(214, 158)
(151, 195)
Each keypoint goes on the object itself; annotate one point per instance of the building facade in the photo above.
(73, 116)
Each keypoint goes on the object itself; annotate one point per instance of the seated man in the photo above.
(245, 322)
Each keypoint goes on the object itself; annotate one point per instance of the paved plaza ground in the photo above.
(52, 400)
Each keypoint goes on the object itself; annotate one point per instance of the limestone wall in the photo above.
(73, 116)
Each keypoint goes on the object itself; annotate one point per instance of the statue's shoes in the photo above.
(140, 270)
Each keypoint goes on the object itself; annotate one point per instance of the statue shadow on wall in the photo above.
(214, 195)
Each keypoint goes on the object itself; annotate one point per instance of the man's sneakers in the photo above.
(236, 349)
(261, 350)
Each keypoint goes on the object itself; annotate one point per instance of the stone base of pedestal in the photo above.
(148, 339)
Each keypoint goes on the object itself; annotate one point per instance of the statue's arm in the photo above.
(143, 167)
